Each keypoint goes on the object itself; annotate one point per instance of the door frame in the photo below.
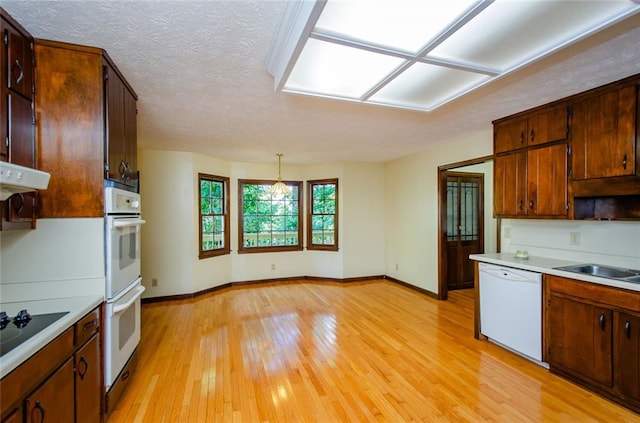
(443, 291)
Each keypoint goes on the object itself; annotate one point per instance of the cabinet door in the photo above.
(548, 126)
(54, 400)
(547, 181)
(604, 136)
(509, 194)
(628, 355)
(580, 339)
(114, 93)
(88, 382)
(510, 135)
(21, 130)
(131, 132)
(19, 62)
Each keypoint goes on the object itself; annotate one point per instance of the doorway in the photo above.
(463, 226)
(455, 270)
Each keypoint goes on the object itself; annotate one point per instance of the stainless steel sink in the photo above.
(628, 275)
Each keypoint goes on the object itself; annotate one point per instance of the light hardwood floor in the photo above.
(328, 352)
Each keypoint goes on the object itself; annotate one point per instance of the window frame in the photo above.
(275, 248)
(310, 215)
(226, 201)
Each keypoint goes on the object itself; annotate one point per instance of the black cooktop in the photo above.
(15, 330)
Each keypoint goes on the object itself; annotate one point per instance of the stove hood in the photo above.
(15, 179)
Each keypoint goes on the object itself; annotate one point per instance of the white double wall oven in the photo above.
(124, 288)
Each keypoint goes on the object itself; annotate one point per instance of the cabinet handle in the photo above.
(21, 75)
(89, 325)
(602, 321)
(531, 204)
(83, 372)
(521, 137)
(627, 329)
(520, 205)
(533, 135)
(624, 162)
(40, 409)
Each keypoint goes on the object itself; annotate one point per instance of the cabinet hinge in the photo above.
(6, 39)
(6, 142)
(570, 172)
(567, 207)
(568, 149)
(569, 111)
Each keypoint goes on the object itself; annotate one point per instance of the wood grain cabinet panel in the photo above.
(88, 378)
(604, 134)
(580, 339)
(547, 181)
(510, 135)
(627, 365)
(53, 401)
(510, 185)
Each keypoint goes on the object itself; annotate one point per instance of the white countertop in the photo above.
(77, 307)
(547, 265)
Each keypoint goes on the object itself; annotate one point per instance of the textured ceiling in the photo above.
(198, 68)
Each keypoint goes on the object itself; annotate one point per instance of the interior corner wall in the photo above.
(362, 219)
(167, 191)
(411, 213)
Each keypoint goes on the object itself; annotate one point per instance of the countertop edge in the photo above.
(77, 307)
(547, 265)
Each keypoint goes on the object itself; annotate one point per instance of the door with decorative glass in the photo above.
(464, 226)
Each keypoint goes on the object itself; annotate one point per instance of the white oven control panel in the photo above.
(120, 201)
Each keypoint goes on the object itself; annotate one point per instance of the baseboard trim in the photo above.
(413, 287)
(149, 300)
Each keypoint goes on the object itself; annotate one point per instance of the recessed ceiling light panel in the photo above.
(422, 54)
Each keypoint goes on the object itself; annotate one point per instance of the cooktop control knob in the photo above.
(22, 318)
(4, 319)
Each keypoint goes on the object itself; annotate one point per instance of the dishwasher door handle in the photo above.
(506, 275)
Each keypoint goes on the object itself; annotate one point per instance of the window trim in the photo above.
(272, 249)
(202, 254)
(310, 244)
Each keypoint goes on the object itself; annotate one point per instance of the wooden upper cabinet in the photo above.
(548, 125)
(510, 185)
(547, 181)
(19, 61)
(70, 126)
(539, 127)
(122, 134)
(510, 135)
(604, 134)
(83, 124)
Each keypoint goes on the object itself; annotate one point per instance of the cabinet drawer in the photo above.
(86, 327)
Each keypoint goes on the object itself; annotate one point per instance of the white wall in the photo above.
(609, 243)
(61, 258)
(170, 236)
(411, 214)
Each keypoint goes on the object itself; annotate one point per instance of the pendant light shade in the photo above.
(279, 188)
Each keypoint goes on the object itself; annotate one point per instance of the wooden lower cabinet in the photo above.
(88, 379)
(53, 401)
(580, 339)
(593, 337)
(62, 382)
(627, 347)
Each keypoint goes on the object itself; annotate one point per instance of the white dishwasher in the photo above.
(511, 309)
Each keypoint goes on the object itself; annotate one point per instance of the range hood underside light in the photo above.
(15, 179)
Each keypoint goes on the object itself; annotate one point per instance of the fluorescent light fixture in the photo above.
(420, 55)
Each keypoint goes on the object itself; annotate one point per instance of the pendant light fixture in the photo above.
(279, 188)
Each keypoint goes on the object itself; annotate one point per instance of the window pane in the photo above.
(216, 189)
(330, 206)
(216, 206)
(317, 206)
(205, 188)
(207, 224)
(323, 215)
(328, 223)
(205, 205)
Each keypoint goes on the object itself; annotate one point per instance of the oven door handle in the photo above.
(125, 223)
(122, 307)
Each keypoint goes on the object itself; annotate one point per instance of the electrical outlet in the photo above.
(507, 232)
(574, 238)
(273, 266)
(154, 282)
